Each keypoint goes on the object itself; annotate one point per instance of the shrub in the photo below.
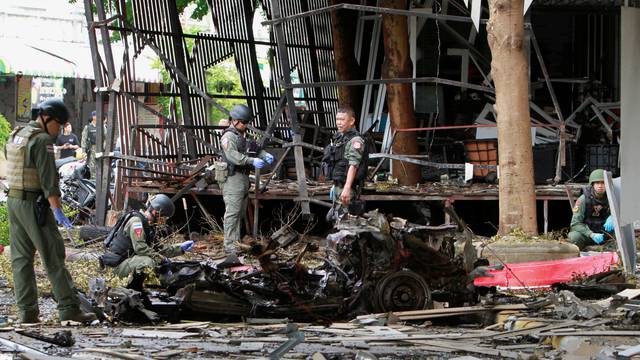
(4, 224)
(5, 130)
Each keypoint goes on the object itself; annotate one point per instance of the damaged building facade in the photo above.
(576, 111)
(575, 105)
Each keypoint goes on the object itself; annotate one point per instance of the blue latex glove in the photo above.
(258, 163)
(597, 238)
(187, 245)
(332, 192)
(608, 225)
(61, 219)
(269, 158)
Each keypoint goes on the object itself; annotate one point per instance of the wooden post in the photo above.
(509, 68)
(397, 64)
(344, 25)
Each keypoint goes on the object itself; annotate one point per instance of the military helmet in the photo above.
(56, 109)
(596, 175)
(241, 113)
(163, 205)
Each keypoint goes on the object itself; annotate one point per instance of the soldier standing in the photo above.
(345, 160)
(132, 245)
(591, 221)
(240, 154)
(34, 196)
(89, 135)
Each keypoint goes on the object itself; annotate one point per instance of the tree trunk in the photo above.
(347, 67)
(509, 68)
(397, 64)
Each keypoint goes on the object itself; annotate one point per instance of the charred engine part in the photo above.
(62, 338)
(121, 304)
(372, 246)
(401, 291)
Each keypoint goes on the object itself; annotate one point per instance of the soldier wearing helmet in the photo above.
(131, 245)
(88, 143)
(33, 203)
(241, 154)
(591, 222)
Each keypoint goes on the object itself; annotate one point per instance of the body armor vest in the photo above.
(337, 165)
(242, 148)
(118, 243)
(19, 176)
(596, 211)
(92, 133)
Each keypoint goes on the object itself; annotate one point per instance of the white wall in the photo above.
(630, 115)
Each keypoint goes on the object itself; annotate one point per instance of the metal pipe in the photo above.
(374, 9)
(431, 79)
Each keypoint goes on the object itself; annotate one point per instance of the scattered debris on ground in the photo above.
(378, 287)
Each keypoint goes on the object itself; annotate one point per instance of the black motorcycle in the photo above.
(78, 190)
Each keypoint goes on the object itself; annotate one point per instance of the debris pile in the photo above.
(371, 264)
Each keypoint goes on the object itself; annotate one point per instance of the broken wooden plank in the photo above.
(457, 310)
(115, 354)
(533, 330)
(593, 333)
(179, 326)
(14, 346)
(167, 354)
(154, 334)
(628, 293)
(460, 346)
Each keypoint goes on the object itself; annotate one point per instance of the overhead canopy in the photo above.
(63, 59)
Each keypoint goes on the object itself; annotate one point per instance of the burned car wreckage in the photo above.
(370, 264)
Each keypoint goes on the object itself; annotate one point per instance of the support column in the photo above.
(303, 195)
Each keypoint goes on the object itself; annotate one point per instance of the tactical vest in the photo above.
(118, 243)
(19, 176)
(92, 133)
(242, 148)
(596, 211)
(337, 165)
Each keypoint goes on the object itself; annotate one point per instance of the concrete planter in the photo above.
(517, 252)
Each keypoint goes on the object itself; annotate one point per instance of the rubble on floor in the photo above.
(410, 291)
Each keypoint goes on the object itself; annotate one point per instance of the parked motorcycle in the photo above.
(78, 190)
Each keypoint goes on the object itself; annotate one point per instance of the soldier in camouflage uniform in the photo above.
(241, 155)
(591, 222)
(132, 246)
(345, 160)
(88, 143)
(33, 203)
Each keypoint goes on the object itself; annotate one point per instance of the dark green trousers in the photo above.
(26, 237)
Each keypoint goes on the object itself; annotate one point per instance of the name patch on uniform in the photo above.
(137, 228)
(225, 143)
(18, 140)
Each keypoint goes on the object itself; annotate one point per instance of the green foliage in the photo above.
(69, 212)
(5, 130)
(4, 224)
(223, 79)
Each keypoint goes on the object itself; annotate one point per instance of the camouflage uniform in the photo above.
(88, 144)
(235, 189)
(585, 222)
(36, 177)
(354, 150)
(143, 255)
